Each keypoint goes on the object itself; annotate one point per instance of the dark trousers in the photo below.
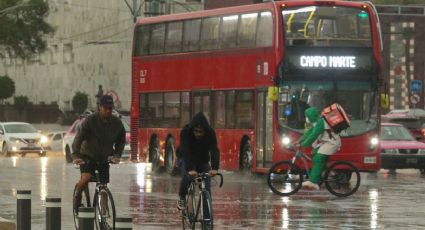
(184, 183)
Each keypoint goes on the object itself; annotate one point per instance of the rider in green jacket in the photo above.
(325, 142)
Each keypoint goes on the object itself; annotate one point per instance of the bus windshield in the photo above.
(326, 26)
(357, 98)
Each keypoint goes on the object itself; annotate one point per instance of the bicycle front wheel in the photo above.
(104, 210)
(206, 211)
(85, 202)
(342, 179)
(188, 214)
(284, 178)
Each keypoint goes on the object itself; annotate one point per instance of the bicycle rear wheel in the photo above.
(207, 220)
(85, 202)
(342, 179)
(104, 210)
(284, 178)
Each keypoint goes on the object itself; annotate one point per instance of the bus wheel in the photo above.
(170, 153)
(245, 158)
(154, 153)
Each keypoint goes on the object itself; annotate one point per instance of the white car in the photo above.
(54, 141)
(21, 138)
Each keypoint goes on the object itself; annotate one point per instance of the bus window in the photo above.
(265, 30)
(219, 107)
(171, 109)
(185, 109)
(192, 29)
(230, 108)
(142, 41)
(157, 38)
(173, 42)
(210, 33)
(228, 31)
(244, 112)
(247, 29)
(156, 109)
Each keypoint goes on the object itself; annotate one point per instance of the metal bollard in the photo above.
(85, 218)
(122, 223)
(53, 213)
(23, 209)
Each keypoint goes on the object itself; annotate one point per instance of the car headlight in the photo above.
(421, 151)
(391, 151)
(43, 139)
(15, 140)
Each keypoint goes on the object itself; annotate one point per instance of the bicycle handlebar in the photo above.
(205, 174)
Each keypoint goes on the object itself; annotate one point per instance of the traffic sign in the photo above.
(415, 86)
(414, 99)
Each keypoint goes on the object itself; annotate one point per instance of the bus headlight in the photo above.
(374, 141)
(286, 141)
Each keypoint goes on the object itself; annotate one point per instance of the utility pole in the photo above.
(135, 9)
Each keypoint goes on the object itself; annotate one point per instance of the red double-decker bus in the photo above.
(225, 62)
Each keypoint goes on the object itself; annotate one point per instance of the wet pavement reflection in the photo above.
(384, 201)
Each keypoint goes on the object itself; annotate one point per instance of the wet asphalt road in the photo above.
(244, 202)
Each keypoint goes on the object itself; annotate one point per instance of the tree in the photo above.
(20, 102)
(80, 102)
(22, 27)
(7, 87)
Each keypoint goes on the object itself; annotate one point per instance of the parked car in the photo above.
(21, 138)
(72, 131)
(412, 119)
(399, 149)
(55, 141)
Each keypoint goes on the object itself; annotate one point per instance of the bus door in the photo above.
(264, 130)
(201, 103)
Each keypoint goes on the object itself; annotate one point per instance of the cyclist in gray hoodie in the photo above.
(101, 135)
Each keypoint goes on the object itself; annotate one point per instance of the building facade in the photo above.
(91, 46)
(403, 30)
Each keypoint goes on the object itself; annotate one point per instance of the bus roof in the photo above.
(246, 8)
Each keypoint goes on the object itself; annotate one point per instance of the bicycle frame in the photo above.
(193, 207)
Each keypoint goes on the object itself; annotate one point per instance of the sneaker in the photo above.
(310, 185)
(181, 204)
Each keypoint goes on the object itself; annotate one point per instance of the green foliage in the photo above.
(20, 102)
(22, 27)
(80, 102)
(7, 87)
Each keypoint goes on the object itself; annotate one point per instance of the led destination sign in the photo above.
(326, 62)
(346, 62)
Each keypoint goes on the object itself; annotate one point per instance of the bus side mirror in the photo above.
(385, 101)
(272, 93)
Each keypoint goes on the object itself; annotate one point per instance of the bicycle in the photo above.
(195, 210)
(103, 203)
(285, 178)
